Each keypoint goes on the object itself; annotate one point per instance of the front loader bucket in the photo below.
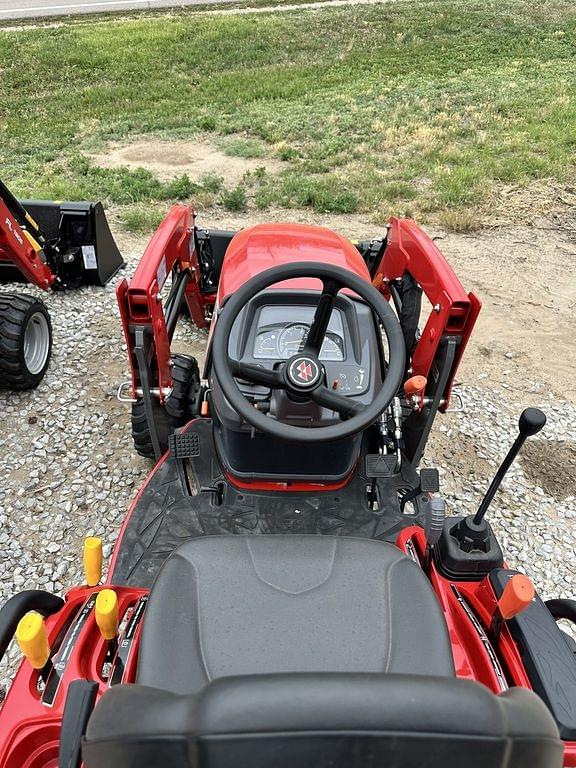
(90, 255)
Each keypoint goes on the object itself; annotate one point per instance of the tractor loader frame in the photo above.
(403, 265)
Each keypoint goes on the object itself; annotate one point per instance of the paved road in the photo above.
(21, 9)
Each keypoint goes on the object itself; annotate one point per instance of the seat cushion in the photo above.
(323, 721)
(242, 605)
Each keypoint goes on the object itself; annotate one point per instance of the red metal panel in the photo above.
(264, 246)
(15, 248)
(454, 312)
(471, 658)
(140, 300)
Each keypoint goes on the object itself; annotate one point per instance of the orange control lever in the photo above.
(516, 597)
(415, 385)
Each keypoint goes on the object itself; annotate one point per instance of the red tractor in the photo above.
(286, 590)
(53, 245)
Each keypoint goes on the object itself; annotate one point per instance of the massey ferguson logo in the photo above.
(304, 371)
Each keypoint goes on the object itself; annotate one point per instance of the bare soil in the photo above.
(551, 466)
(169, 159)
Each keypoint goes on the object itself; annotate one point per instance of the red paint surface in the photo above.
(15, 248)
(139, 301)
(264, 246)
(470, 656)
(409, 249)
(30, 730)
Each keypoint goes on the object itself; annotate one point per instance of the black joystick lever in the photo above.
(530, 423)
(468, 547)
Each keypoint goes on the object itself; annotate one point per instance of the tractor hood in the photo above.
(264, 246)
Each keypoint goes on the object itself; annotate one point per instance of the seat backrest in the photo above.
(323, 721)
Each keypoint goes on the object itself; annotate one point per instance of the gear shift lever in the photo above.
(530, 423)
(474, 532)
(468, 546)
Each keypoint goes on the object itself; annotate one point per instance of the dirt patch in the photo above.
(546, 204)
(524, 338)
(169, 159)
(459, 452)
(551, 466)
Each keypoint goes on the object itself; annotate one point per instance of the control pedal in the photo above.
(381, 465)
(184, 446)
(429, 481)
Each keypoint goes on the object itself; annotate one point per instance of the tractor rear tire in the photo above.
(184, 401)
(141, 431)
(25, 341)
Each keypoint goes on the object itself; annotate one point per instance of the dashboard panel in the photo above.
(282, 332)
(274, 326)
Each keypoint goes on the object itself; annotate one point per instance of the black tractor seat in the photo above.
(306, 652)
(242, 605)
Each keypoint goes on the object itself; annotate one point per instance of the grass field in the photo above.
(419, 108)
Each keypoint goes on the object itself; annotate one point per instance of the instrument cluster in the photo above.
(279, 342)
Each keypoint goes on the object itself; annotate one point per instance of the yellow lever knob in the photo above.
(92, 560)
(106, 611)
(33, 639)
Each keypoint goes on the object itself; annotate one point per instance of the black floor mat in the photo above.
(166, 514)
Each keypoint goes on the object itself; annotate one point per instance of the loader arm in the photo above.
(21, 242)
(148, 322)
(440, 346)
(55, 245)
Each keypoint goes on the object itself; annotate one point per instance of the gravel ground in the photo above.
(69, 469)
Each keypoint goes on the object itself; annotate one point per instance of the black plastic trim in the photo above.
(562, 608)
(454, 562)
(79, 704)
(549, 661)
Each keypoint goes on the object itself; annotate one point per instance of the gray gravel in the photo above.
(536, 526)
(68, 468)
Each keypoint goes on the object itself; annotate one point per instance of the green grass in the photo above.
(141, 219)
(419, 108)
(241, 147)
(234, 199)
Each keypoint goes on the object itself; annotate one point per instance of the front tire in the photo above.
(181, 406)
(25, 341)
(184, 401)
(141, 431)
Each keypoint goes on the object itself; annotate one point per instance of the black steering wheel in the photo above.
(303, 374)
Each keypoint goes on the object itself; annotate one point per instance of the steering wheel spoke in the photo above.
(256, 374)
(322, 316)
(328, 398)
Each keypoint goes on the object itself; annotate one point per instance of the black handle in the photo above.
(18, 606)
(531, 421)
(80, 702)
